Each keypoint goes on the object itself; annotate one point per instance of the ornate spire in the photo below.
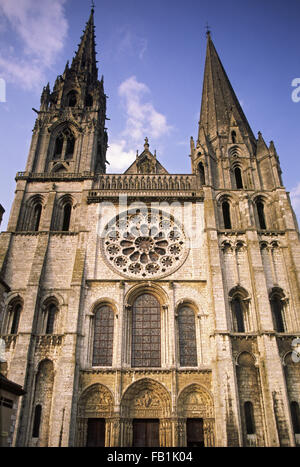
(85, 58)
(219, 101)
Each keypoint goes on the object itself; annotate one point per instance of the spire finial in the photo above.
(207, 29)
(146, 145)
(93, 6)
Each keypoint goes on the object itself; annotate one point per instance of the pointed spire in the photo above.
(85, 58)
(219, 101)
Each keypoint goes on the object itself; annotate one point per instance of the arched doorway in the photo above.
(145, 415)
(94, 420)
(196, 422)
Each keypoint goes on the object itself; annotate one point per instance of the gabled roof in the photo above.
(146, 163)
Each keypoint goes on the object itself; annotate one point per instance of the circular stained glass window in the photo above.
(144, 244)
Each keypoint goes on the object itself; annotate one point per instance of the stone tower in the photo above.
(149, 308)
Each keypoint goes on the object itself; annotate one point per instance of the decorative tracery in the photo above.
(144, 244)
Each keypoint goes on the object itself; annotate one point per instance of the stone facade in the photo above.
(185, 287)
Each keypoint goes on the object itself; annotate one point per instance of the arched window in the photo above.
(37, 212)
(37, 421)
(146, 332)
(66, 217)
(72, 99)
(103, 336)
(64, 146)
(249, 418)
(295, 413)
(13, 317)
(70, 146)
(201, 173)
(59, 143)
(238, 178)
(233, 137)
(50, 318)
(61, 220)
(261, 214)
(226, 215)
(238, 315)
(277, 312)
(187, 337)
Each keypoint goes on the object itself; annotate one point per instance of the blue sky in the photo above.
(152, 57)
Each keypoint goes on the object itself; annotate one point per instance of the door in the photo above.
(145, 433)
(95, 433)
(194, 432)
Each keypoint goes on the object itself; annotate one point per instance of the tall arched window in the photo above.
(238, 178)
(103, 336)
(201, 173)
(295, 413)
(64, 145)
(249, 418)
(226, 215)
(238, 315)
(66, 217)
(61, 220)
(261, 214)
(36, 217)
(233, 137)
(187, 337)
(13, 317)
(50, 318)
(146, 332)
(277, 312)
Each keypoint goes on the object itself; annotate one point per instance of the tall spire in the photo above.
(85, 58)
(219, 102)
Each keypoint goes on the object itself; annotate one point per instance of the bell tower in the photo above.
(253, 241)
(69, 135)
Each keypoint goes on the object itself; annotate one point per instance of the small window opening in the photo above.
(37, 421)
(37, 217)
(238, 314)
(226, 215)
(50, 319)
(67, 217)
(295, 413)
(249, 418)
(201, 173)
(261, 215)
(238, 178)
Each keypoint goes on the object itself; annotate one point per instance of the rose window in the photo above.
(142, 244)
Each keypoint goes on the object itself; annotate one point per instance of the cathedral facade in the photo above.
(149, 308)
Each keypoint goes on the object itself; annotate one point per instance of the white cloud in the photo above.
(142, 118)
(119, 159)
(128, 43)
(41, 27)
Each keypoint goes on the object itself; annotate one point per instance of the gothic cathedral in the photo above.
(149, 308)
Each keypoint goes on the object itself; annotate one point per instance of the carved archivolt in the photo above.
(195, 401)
(146, 399)
(96, 401)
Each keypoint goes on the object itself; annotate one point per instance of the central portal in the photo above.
(145, 433)
(194, 432)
